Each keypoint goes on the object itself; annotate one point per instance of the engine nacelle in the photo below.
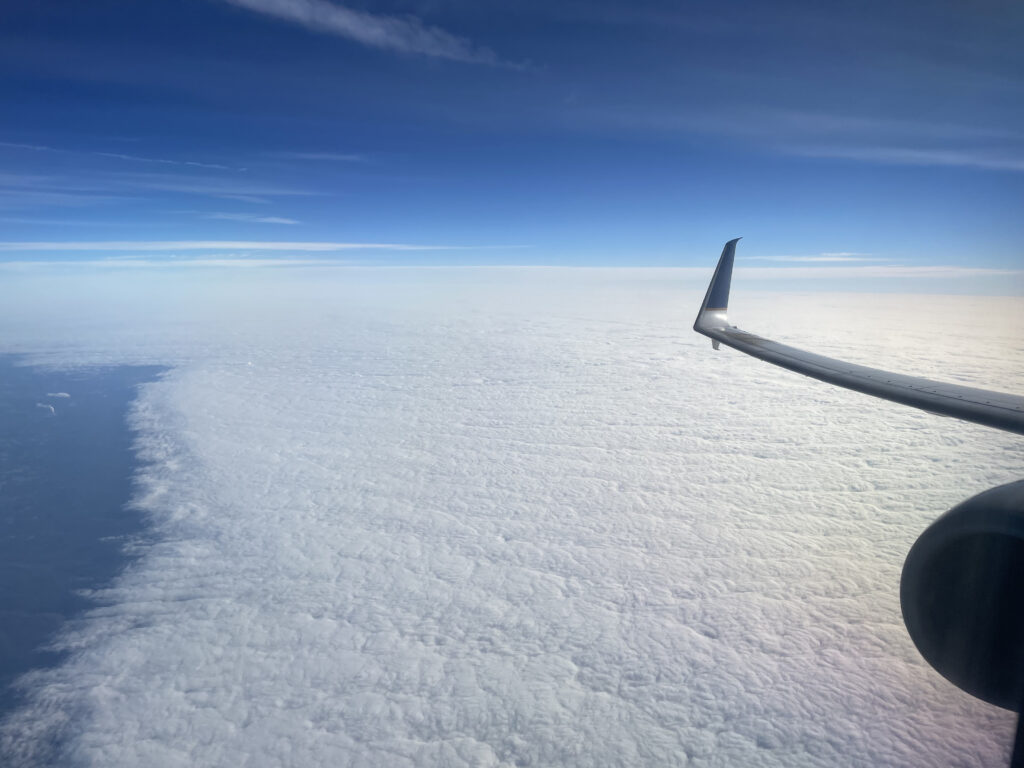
(962, 595)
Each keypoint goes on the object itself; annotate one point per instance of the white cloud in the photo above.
(824, 124)
(207, 186)
(58, 222)
(875, 272)
(116, 156)
(250, 217)
(822, 257)
(965, 158)
(333, 156)
(19, 190)
(32, 192)
(403, 34)
(163, 161)
(775, 126)
(134, 262)
(500, 517)
(212, 245)
(806, 133)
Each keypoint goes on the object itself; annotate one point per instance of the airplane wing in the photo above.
(993, 409)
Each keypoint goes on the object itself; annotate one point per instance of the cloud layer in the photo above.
(482, 518)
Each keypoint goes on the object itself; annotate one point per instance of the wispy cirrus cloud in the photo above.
(215, 245)
(889, 141)
(821, 125)
(777, 126)
(30, 200)
(900, 155)
(163, 161)
(205, 185)
(144, 263)
(252, 218)
(52, 222)
(340, 157)
(117, 156)
(402, 34)
(41, 181)
(31, 190)
(865, 138)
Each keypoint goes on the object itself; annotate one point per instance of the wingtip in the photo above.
(716, 300)
(717, 297)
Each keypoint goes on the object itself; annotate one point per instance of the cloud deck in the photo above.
(396, 526)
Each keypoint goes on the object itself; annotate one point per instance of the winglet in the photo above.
(716, 300)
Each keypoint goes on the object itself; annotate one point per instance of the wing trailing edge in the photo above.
(992, 409)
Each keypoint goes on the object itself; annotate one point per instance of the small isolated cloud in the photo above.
(47, 407)
(403, 34)
(57, 394)
(251, 218)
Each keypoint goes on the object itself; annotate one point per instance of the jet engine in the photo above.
(962, 596)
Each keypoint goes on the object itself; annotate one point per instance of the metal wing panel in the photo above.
(993, 409)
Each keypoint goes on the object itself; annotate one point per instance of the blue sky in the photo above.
(606, 133)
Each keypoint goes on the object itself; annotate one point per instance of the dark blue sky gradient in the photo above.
(587, 133)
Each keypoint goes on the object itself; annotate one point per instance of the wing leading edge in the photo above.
(993, 409)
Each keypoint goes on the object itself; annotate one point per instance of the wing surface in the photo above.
(993, 409)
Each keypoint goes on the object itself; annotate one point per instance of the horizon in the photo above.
(752, 273)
